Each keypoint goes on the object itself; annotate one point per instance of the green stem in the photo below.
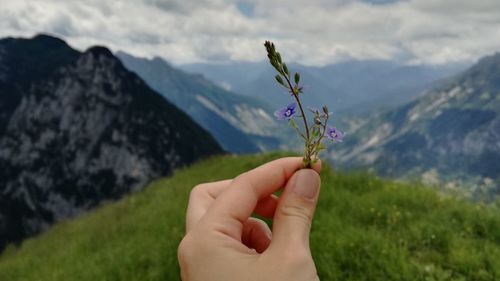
(324, 130)
(295, 95)
(300, 133)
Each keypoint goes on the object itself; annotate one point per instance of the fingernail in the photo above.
(306, 183)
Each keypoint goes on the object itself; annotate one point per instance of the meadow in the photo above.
(366, 228)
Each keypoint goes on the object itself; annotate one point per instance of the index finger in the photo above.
(233, 207)
(201, 198)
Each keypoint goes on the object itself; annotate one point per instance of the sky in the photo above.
(310, 32)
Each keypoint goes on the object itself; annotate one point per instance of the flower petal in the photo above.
(334, 134)
(292, 106)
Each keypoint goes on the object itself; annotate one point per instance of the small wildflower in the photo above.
(334, 134)
(287, 112)
(313, 133)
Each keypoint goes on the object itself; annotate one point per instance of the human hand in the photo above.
(223, 243)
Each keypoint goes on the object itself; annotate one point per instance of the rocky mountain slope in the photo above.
(78, 128)
(240, 124)
(451, 134)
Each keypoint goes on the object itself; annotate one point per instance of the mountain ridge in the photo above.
(349, 88)
(77, 129)
(448, 135)
(241, 124)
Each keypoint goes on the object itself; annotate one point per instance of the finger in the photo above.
(233, 207)
(295, 211)
(201, 198)
(267, 206)
(256, 235)
(203, 195)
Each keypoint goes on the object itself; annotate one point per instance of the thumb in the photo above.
(295, 210)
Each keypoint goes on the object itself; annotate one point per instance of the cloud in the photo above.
(306, 31)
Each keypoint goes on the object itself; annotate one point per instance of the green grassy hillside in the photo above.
(365, 229)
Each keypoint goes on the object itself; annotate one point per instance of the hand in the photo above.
(223, 243)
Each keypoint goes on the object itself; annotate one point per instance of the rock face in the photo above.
(240, 124)
(77, 129)
(451, 134)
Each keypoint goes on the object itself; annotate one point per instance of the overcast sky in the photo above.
(314, 32)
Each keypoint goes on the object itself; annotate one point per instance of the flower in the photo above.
(286, 113)
(334, 134)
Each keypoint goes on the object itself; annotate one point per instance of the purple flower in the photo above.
(286, 113)
(334, 134)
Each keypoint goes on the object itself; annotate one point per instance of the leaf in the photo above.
(285, 68)
(276, 65)
(297, 78)
(279, 80)
(320, 147)
(314, 132)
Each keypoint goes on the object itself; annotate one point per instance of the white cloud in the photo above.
(306, 31)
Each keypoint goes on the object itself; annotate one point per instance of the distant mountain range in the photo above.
(451, 134)
(79, 128)
(239, 123)
(348, 88)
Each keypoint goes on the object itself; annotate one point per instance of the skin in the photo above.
(224, 243)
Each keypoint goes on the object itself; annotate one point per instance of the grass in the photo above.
(365, 229)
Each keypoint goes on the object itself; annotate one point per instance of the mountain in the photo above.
(450, 134)
(317, 92)
(240, 124)
(349, 88)
(77, 129)
(365, 228)
(230, 76)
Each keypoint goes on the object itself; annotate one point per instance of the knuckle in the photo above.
(297, 212)
(198, 190)
(185, 249)
(240, 178)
